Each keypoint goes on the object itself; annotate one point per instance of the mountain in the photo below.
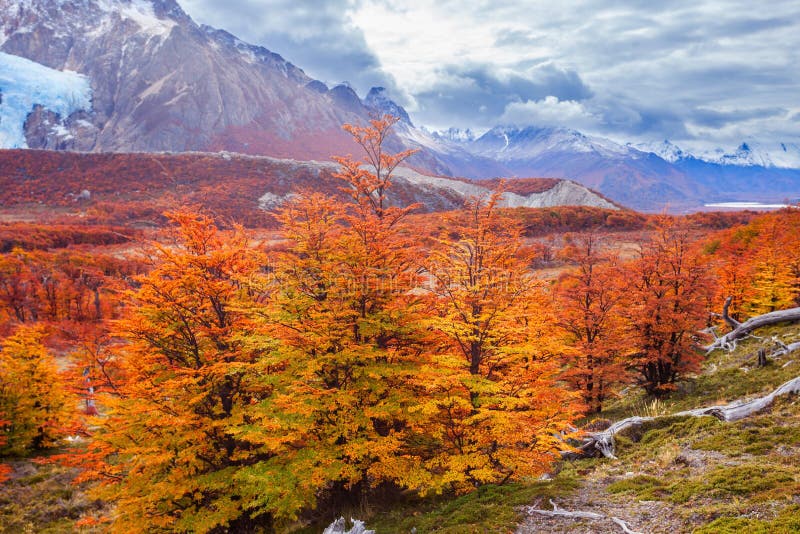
(781, 155)
(142, 76)
(160, 82)
(632, 177)
(378, 101)
(646, 177)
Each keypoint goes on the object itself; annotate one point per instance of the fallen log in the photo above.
(603, 442)
(728, 341)
(739, 410)
(578, 514)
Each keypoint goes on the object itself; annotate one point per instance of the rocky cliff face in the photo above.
(162, 83)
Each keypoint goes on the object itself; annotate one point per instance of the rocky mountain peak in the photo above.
(346, 97)
(378, 100)
(456, 135)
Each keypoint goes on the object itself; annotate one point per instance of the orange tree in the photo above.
(176, 432)
(33, 395)
(494, 407)
(346, 314)
(667, 298)
(587, 301)
(775, 277)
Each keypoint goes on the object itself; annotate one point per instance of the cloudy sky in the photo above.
(702, 73)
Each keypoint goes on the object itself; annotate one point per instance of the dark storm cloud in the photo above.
(717, 119)
(478, 95)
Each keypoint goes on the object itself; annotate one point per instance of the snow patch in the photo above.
(141, 12)
(25, 83)
(665, 150)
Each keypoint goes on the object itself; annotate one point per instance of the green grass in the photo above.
(786, 522)
(488, 509)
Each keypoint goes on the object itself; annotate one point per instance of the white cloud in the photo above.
(551, 111)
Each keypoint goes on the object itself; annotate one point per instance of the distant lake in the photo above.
(746, 205)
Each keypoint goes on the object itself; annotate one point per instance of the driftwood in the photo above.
(728, 341)
(783, 348)
(603, 442)
(340, 527)
(560, 512)
(739, 410)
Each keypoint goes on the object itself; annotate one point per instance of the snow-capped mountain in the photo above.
(665, 150)
(141, 76)
(634, 178)
(753, 153)
(512, 143)
(160, 82)
(747, 154)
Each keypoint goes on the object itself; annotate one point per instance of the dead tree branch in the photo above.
(603, 442)
(728, 341)
(578, 514)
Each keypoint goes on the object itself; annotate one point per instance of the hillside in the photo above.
(114, 188)
(672, 475)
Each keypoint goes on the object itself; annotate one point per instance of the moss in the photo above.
(787, 521)
(750, 480)
(651, 437)
(756, 482)
(758, 436)
(643, 486)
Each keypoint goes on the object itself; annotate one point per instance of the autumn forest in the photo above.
(212, 374)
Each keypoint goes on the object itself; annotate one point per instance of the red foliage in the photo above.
(561, 219)
(29, 236)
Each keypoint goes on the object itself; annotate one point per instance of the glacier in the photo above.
(25, 83)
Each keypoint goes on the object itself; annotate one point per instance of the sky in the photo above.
(700, 73)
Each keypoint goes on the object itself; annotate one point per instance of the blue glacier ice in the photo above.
(24, 83)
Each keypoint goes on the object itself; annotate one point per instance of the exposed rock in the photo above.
(378, 100)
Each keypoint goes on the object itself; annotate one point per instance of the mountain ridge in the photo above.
(162, 83)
